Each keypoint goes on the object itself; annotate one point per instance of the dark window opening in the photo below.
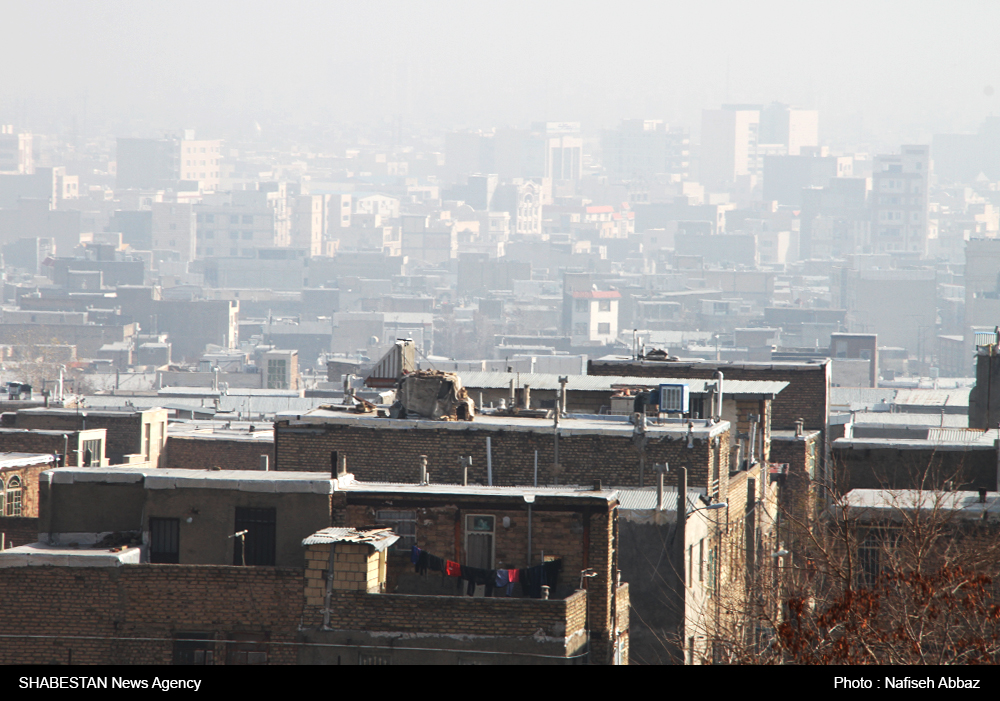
(256, 547)
(194, 648)
(247, 648)
(164, 540)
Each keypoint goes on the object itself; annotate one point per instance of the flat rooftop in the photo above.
(41, 555)
(12, 460)
(886, 502)
(610, 426)
(607, 383)
(948, 439)
(807, 365)
(308, 482)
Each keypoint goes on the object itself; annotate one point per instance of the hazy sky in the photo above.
(892, 70)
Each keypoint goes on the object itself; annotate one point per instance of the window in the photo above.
(580, 329)
(194, 648)
(12, 506)
(164, 540)
(247, 648)
(701, 560)
(604, 328)
(604, 305)
(404, 524)
(479, 541)
(256, 547)
(277, 373)
(248, 219)
(92, 453)
(247, 235)
(582, 306)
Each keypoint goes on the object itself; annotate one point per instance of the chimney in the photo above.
(527, 396)
(798, 427)
(334, 463)
(982, 496)
(263, 463)
(423, 469)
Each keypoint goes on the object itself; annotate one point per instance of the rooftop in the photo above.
(606, 426)
(607, 383)
(886, 502)
(937, 439)
(309, 482)
(11, 460)
(808, 365)
(41, 554)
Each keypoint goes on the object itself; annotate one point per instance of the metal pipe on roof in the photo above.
(489, 462)
(719, 378)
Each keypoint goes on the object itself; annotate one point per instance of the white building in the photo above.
(595, 317)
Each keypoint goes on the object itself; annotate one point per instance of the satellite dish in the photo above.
(373, 341)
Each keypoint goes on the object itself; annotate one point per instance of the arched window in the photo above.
(12, 503)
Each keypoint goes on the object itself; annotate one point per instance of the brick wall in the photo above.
(28, 476)
(930, 468)
(378, 454)
(452, 615)
(113, 607)
(14, 441)
(195, 453)
(806, 397)
(797, 500)
(19, 531)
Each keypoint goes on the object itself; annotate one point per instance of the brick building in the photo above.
(73, 448)
(228, 449)
(952, 459)
(153, 580)
(132, 435)
(504, 449)
(19, 496)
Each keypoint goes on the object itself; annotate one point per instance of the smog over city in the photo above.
(325, 327)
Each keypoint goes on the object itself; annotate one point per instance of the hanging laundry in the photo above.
(423, 562)
(415, 554)
(435, 563)
(452, 569)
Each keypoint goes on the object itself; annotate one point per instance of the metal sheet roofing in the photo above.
(644, 498)
(378, 538)
(605, 383)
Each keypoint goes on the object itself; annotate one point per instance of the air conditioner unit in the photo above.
(674, 398)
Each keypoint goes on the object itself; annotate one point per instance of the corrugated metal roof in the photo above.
(955, 435)
(378, 538)
(644, 498)
(933, 397)
(605, 383)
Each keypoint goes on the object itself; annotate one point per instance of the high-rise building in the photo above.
(16, 151)
(201, 162)
(641, 148)
(791, 127)
(899, 200)
(729, 138)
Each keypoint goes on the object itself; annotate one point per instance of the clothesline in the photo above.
(531, 579)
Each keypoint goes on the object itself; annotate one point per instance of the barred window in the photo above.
(404, 524)
(12, 506)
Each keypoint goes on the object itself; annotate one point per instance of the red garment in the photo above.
(452, 569)
(512, 576)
